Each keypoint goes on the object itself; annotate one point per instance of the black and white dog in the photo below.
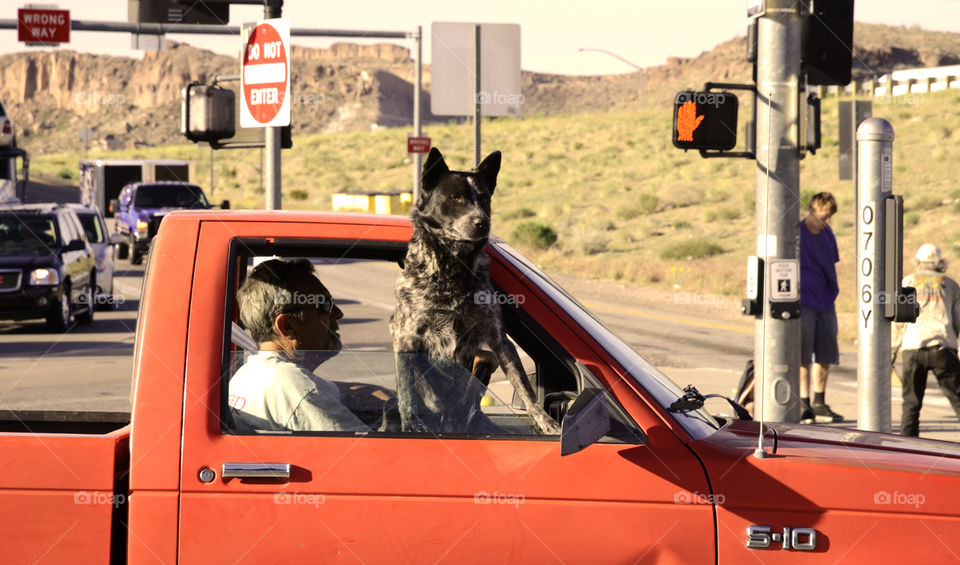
(443, 307)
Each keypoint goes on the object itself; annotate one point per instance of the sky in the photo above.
(643, 32)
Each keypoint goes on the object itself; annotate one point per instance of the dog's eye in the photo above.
(456, 198)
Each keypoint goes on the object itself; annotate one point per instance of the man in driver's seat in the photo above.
(293, 318)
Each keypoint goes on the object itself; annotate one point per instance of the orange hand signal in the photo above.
(687, 121)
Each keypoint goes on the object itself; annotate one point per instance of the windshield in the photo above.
(170, 196)
(92, 227)
(36, 235)
(698, 423)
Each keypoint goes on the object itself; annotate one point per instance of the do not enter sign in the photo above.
(265, 75)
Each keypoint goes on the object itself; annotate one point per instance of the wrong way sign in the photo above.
(265, 75)
(43, 27)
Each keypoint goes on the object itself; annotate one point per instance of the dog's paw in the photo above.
(549, 427)
(416, 427)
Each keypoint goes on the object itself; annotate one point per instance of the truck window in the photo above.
(362, 376)
(170, 196)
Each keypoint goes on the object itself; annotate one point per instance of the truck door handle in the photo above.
(255, 471)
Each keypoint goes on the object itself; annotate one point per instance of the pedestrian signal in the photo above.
(705, 120)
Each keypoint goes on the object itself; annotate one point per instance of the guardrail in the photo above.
(899, 83)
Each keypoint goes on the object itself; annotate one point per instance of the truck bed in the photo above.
(63, 485)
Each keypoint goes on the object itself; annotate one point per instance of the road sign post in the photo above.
(874, 187)
(265, 88)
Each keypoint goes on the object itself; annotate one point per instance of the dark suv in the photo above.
(47, 268)
(142, 206)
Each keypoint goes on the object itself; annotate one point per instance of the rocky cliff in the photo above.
(54, 96)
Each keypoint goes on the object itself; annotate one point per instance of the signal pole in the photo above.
(271, 139)
(777, 341)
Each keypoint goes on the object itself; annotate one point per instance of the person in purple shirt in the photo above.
(818, 316)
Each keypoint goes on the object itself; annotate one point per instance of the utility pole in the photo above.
(417, 131)
(777, 341)
(271, 138)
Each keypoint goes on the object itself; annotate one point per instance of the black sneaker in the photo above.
(807, 417)
(824, 414)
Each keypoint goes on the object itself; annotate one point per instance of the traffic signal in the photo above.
(705, 120)
(827, 42)
(178, 12)
(207, 113)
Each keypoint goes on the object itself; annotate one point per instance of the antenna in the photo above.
(760, 452)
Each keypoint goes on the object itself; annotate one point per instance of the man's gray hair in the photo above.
(268, 292)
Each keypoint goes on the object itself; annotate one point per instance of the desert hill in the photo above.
(347, 87)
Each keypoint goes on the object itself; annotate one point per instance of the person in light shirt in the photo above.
(293, 318)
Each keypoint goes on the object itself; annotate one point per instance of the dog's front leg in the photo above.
(415, 416)
(513, 368)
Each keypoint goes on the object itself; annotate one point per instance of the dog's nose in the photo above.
(481, 223)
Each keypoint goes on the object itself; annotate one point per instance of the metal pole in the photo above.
(211, 170)
(777, 340)
(271, 140)
(476, 101)
(874, 185)
(417, 88)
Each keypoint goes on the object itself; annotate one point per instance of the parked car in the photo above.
(142, 206)
(47, 267)
(103, 245)
(8, 135)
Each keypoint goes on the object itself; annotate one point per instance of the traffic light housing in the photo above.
(177, 12)
(207, 113)
(827, 42)
(705, 120)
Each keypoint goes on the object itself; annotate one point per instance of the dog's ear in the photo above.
(433, 169)
(488, 169)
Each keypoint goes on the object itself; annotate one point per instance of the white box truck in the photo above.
(101, 180)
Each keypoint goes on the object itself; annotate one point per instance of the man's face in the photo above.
(822, 214)
(319, 330)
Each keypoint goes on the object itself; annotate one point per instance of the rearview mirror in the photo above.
(586, 421)
(225, 205)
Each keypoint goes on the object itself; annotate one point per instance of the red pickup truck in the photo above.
(663, 481)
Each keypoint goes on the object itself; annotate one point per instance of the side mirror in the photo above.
(225, 205)
(587, 420)
(75, 245)
(114, 206)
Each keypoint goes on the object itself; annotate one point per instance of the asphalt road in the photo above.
(90, 366)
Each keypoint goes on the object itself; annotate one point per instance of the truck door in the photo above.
(504, 495)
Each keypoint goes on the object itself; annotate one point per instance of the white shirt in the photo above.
(272, 392)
